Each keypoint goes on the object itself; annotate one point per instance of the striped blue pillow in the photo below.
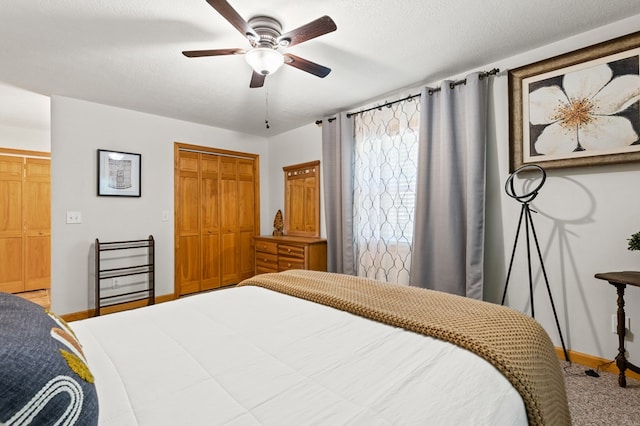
(44, 378)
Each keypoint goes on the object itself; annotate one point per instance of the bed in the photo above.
(292, 348)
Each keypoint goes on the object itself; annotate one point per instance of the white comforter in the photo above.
(248, 356)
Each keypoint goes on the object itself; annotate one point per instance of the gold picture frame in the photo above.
(578, 109)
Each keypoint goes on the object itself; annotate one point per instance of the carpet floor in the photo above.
(600, 401)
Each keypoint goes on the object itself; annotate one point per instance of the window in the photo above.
(385, 173)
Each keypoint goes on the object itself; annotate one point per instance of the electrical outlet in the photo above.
(614, 324)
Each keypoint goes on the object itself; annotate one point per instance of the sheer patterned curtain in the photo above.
(448, 248)
(384, 173)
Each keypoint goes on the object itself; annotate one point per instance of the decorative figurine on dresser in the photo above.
(278, 225)
(296, 242)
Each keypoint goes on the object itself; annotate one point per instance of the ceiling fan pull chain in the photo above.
(266, 105)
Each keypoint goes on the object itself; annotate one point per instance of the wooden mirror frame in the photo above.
(302, 199)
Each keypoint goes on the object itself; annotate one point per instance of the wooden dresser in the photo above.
(281, 253)
(301, 246)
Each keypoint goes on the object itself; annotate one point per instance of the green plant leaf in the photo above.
(634, 241)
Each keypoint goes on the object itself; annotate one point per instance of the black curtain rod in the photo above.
(319, 122)
(431, 92)
(386, 104)
(464, 81)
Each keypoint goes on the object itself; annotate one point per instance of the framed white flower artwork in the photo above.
(578, 109)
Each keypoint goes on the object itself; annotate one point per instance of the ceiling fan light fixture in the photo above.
(264, 60)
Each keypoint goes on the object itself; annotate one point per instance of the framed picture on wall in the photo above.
(577, 109)
(119, 173)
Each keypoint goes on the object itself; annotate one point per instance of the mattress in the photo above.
(249, 356)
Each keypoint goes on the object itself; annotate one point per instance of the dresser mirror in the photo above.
(302, 199)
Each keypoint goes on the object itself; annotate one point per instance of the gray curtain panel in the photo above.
(448, 243)
(337, 171)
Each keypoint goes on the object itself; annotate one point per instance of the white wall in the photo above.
(24, 119)
(300, 145)
(584, 217)
(24, 138)
(79, 128)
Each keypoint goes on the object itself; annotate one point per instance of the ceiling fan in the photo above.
(265, 36)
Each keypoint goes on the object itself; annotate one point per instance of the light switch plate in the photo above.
(74, 217)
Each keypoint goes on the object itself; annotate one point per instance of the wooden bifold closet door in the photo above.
(25, 223)
(217, 215)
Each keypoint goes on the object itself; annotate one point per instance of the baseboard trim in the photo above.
(75, 316)
(600, 364)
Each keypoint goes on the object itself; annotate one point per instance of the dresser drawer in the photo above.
(263, 270)
(291, 251)
(282, 253)
(267, 260)
(267, 246)
(286, 263)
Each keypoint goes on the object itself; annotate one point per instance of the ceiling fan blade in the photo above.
(230, 14)
(212, 52)
(306, 65)
(257, 80)
(306, 32)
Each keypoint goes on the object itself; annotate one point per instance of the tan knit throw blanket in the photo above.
(513, 342)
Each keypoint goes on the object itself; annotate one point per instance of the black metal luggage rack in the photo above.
(106, 297)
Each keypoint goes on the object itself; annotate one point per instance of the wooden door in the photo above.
(25, 223)
(210, 221)
(246, 217)
(237, 219)
(11, 232)
(229, 220)
(37, 223)
(216, 217)
(187, 246)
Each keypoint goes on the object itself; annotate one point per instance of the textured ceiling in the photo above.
(127, 53)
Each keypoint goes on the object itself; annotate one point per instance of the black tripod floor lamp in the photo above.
(525, 213)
